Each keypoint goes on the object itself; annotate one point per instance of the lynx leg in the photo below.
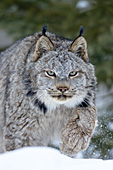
(78, 131)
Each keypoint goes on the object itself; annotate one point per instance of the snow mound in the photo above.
(44, 158)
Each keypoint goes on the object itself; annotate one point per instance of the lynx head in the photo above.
(61, 73)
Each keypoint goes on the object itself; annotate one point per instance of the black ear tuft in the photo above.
(44, 29)
(81, 31)
(43, 44)
(79, 46)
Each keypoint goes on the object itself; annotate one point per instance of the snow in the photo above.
(110, 125)
(45, 158)
(83, 4)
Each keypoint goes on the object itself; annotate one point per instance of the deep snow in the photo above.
(44, 158)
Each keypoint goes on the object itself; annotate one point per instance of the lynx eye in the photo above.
(73, 74)
(51, 73)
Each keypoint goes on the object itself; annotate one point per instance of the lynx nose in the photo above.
(62, 89)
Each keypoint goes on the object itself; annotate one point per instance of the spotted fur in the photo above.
(33, 111)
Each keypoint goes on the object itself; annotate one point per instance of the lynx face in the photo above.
(62, 77)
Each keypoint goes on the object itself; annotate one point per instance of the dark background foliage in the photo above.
(64, 17)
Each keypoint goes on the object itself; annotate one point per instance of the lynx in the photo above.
(47, 94)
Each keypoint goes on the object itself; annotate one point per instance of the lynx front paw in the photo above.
(74, 140)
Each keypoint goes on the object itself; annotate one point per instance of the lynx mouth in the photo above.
(62, 97)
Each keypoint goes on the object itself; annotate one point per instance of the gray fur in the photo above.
(33, 111)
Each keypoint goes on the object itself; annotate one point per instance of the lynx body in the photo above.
(47, 94)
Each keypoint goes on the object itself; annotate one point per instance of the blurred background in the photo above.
(19, 18)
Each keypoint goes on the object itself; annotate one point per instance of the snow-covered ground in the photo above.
(43, 158)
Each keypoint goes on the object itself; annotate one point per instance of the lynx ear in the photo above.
(44, 44)
(79, 46)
